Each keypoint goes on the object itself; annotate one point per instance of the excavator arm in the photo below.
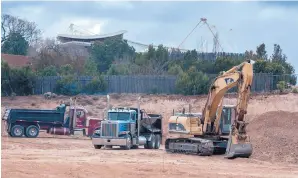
(239, 143)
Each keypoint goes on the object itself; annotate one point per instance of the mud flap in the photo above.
(238, 150)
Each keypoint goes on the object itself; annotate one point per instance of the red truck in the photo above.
(29, 122)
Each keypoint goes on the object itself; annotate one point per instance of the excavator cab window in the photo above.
(226, 120)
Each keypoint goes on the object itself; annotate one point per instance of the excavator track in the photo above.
(201, 147)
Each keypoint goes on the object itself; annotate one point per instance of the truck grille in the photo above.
(109, 130)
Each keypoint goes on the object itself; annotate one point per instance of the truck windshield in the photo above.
(123, 116)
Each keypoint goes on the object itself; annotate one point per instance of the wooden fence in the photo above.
(153, 84)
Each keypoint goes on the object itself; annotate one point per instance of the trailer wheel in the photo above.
(32, 131)
(17, 131)
(97, 146)
(157, 141)
(151, 144)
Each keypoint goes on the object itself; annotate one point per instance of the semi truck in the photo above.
(29, 122)
(129, 128)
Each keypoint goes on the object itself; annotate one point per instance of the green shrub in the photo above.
(96, 85)
(295, 90)
(281, 86)
(68, 85)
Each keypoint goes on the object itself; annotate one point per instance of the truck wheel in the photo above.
(17, 131)
(32, 131)
(135, 147)
(146, 145)
(157, 141)
(84, 132)
(97, 146)
(151, 144)
(128, 143)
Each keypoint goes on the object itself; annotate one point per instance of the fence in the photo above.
(157, 84)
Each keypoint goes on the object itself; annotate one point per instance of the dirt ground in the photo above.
(273, 122)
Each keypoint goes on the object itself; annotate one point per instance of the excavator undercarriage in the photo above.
(199, 146)
(208, 147)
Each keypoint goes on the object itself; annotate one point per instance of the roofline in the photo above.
(76, 43)
(91, 37)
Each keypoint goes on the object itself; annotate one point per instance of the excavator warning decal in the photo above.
(229, 80)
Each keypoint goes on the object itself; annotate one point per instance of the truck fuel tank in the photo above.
(59, 131)
(142, 140)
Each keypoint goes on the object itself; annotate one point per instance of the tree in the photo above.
(190, 58)
(192, 82)
(48, 71)
(66, 69)
(175, 70)
(111, 50)
(90, 68)
(15, 44)
(5, 79)
(19, 80)
(277, 55)
(225, 63)
(51, 53)
(250, 55)
(261, 52)
(11, 24)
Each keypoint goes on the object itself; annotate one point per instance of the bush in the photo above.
(68, 85)
(19, 81)
(96, 85)
(281, 86)
(192, 82)
(48, 71)
(295, 90)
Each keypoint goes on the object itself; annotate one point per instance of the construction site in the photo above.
(272, 129)
(235, 122)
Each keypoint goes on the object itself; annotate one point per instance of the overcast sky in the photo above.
(241, 25)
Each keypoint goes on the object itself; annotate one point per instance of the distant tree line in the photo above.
(115, 57)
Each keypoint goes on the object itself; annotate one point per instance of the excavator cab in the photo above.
(227, 116)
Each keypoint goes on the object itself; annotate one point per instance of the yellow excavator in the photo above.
(219, 128)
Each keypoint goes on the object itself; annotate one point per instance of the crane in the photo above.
(219, 128)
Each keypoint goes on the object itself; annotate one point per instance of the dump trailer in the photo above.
(29, 122)
(129, 128)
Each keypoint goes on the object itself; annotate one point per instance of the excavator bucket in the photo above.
(243, 150)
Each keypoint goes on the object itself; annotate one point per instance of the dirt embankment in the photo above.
(274, 136)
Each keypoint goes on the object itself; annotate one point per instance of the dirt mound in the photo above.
(274, 136)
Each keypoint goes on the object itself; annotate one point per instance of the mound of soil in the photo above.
(274, 136)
